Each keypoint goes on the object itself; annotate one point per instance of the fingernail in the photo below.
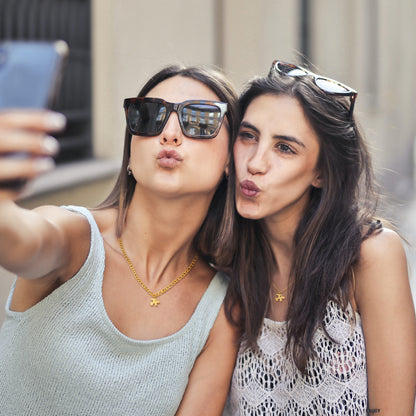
(50, 145)
(44, 164)
(55, 121)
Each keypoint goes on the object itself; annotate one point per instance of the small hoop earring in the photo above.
(128, 170)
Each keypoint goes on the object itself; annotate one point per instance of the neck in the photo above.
(281, 232)
(159, 231)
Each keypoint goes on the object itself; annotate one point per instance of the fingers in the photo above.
(24, 168)
(35, 120)
(26, 148)
(30, 143)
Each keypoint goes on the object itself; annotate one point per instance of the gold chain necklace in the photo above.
(154, 301)
(279, 296)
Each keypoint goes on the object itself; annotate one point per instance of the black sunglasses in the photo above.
(199, 119)
(328, 85)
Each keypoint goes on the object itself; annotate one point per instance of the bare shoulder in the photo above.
(60, 214)
(382, 271)
(74, 233)
(63, 246)
(382, 247)
(75, 222)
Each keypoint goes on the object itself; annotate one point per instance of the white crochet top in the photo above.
(267, 382)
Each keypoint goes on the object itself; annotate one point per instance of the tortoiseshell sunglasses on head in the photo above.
(328, 85)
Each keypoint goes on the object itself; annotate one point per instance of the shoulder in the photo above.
(62, 217)
(381, 273)
(73, 233)
(382, 248)
(76, 222)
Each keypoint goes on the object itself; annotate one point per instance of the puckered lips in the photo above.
(168, 158)
(249, 188)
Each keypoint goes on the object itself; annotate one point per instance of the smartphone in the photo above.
(30, 75)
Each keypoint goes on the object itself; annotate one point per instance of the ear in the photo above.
(317, 182)
(227, 167)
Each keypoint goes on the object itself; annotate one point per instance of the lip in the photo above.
(249, 188)
(168, 158)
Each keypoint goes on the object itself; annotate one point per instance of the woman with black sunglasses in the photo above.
(328, 318)
(117, 310)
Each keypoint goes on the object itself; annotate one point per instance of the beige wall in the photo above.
(368, 45)
(256, 33)
(132, 40)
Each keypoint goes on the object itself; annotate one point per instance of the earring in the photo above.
(128, 170)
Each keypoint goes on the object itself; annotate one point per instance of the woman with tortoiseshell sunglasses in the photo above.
(328, 318)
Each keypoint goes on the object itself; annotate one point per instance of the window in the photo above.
(68, 20)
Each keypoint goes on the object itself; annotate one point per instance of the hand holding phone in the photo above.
(26, 149)
(30, 73)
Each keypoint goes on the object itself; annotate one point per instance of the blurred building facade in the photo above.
(367, 44)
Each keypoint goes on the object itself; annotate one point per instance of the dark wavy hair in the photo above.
(121, 195)
(328, 238)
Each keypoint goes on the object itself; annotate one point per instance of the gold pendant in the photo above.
(279, 297)
(154, 302)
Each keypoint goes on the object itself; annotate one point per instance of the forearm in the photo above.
(30, 244)
(210, 379)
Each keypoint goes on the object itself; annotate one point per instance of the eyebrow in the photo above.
(276, 136)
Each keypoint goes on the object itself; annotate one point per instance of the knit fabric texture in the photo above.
(64, 356)
(267, 382)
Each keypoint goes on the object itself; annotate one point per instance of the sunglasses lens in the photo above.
(331, 86)
(201, 120)
(146, 118)
(291, 70)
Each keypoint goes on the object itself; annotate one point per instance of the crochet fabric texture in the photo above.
(266, 382)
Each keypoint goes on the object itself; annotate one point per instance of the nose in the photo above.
(172, 132)
(258, 161)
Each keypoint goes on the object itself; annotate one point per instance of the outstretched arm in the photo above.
(210, 378)
(388, 316)
(35, 244)
(25, 152)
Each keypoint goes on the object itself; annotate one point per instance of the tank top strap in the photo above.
(208, 308)
(95, 262)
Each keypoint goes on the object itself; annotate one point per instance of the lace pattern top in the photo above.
(267, 382)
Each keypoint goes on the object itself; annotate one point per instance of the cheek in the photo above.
(239, 158)
(140, 154)
(210, 159)
(137, 146)
(219, 150)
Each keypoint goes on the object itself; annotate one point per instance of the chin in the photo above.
(248, 212)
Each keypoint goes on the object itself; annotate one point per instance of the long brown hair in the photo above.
(121, 195)
(328, 238)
